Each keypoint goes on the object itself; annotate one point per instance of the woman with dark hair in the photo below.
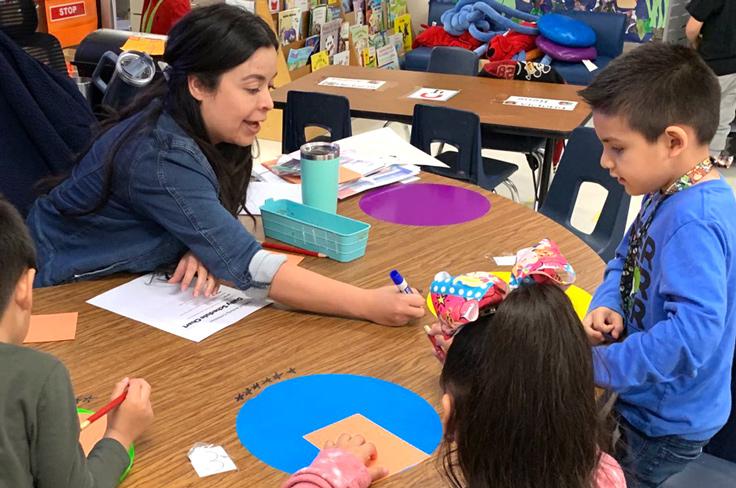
(166, 178)
(519, 406)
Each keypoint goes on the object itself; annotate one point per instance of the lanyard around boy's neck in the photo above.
(631, 274)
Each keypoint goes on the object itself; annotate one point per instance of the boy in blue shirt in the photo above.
(665, 299)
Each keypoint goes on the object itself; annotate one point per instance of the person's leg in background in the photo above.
(728, 112)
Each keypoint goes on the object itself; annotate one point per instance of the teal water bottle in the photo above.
(320, 163)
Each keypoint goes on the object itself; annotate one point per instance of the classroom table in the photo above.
(481, 95)
(196, 385)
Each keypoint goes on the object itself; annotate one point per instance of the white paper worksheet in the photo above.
(151, 300)
(548, 103)
(352, 83)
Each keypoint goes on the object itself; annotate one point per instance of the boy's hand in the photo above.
(600, 321)
(358, 447)
(127, 422)
(388, 306)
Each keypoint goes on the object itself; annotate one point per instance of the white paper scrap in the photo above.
(505, 260)
(590, 65)
(208, 459)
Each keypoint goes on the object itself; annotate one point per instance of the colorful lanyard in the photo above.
(631, 274)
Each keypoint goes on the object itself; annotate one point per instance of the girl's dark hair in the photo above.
(205, 43)
(524, 413)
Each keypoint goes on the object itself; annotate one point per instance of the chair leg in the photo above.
(512, 188)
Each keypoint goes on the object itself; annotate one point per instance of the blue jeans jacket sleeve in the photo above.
(180, 192)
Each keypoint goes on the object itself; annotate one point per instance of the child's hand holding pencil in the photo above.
(129, 412)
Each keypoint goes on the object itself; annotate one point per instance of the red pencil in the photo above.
(296, 250)
(101, 412)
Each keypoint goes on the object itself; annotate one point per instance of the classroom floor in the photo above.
(590, 198)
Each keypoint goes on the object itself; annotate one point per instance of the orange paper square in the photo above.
(92, 434)
(52, 327)
(394, 453)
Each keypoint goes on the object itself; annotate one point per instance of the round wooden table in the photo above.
(198, 389)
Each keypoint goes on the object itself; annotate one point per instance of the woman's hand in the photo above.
(189, 267)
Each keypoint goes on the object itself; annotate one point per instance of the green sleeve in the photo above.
(57, 457)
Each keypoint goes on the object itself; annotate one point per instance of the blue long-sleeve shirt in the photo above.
(673, 369)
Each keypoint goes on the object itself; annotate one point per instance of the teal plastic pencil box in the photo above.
(340, 238)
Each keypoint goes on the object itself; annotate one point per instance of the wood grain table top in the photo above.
(483, 96)
(196, 386)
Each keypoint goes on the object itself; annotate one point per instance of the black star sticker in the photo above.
(291, 371)
(248, 391)
(256, 386)
(239, 397)
(277, 376)
(267, 380)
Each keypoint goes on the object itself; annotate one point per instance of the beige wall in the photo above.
(418, 10)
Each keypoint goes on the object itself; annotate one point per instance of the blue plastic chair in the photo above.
(305, 109)
(707, 472)
(453, 61)
(418, 59)
(580, 163)
(460, 129)
(610, 29)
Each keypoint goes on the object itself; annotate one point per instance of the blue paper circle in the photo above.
(272, 425)
(566, 31)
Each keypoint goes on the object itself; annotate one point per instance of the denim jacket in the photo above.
(163, 202)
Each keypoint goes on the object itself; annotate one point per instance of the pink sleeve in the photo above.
(609, 474)
(332, 468)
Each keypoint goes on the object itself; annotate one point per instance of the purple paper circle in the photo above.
(425, 204)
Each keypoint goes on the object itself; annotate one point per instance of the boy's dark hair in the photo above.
(17, 252)
(657, 85)
(524, 412)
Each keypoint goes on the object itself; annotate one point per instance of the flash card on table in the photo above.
(434, 94)
(394, 453)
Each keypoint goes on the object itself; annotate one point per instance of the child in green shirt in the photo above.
(39, 426)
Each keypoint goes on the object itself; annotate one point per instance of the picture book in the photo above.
(377, 40)
(313, 42)
(398, 41)
(289, 21)
(402, 25)
(368, 56)
(359, 9)
(319, 17)
(396, 8)
(387, 57)
(341, 58)
(298, 58)
(329, 36)
(320, 60)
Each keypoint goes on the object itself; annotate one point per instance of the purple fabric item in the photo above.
(565, 53)
(425, 204)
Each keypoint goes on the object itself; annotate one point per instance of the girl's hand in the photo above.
(188, 267)
(358, 447)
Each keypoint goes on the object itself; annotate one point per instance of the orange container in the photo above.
(71, 20)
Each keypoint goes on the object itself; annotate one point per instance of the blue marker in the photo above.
(400, 282)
